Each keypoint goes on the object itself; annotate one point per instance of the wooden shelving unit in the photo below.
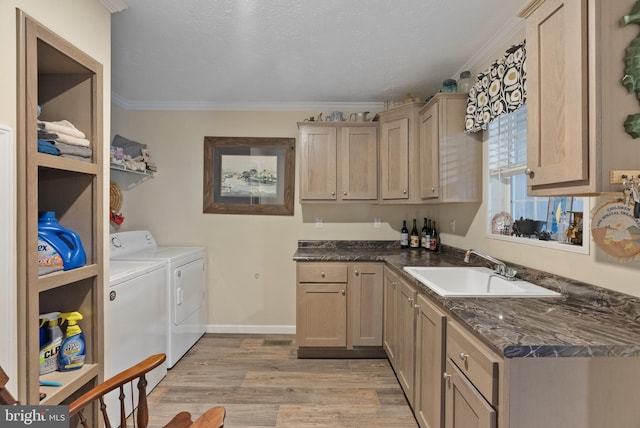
(67, 84)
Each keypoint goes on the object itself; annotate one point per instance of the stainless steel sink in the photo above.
(475, 282)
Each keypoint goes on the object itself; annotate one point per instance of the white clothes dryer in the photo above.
(186, 286)
(135, 320)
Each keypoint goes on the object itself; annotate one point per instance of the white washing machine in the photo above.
(186, 286)
(135, 319)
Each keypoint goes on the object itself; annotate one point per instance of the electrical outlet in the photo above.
(319, 223)
(376, 223)
(452, 226)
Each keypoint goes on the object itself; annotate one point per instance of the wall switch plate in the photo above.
(452, 225)
(376, 223)
(319, 223)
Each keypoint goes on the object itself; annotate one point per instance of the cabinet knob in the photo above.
(333, 193)
(343, 292)
(529, 173)
(404, 191)
(446, 376)
(345, 193)
(356, 273)
(463, 356)
(416, 306)
(410, 300)
(322, 274)
(433, 190)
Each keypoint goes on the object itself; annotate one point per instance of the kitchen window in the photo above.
(512, 214)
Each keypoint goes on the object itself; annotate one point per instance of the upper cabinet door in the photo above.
(359, 158)
(557, 93)
(394, 158)
(429, 153)
(318, 168)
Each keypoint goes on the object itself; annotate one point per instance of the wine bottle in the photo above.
(414, 239)
(404, 235)
(428, 238)
(423, 234)
(435, 238)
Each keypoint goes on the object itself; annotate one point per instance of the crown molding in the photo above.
(529, 8)
(114, 5)
(511, 32)
(246, 106)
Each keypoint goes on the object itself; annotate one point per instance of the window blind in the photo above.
(508, 144)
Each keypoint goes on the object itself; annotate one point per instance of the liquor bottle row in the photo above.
(428, 238)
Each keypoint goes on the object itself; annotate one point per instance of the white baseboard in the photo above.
(252, 329)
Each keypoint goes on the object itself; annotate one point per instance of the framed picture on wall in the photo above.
(248, 175)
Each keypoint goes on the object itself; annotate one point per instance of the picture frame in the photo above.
(249, 175)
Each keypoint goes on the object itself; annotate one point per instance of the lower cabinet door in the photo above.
(321, 315)
(465, 407)
(406, 329)
(430, 325)
(365, 297)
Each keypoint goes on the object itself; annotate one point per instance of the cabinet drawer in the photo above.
(322, 272)
(473, 359)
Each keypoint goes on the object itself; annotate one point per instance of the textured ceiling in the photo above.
(226, 52)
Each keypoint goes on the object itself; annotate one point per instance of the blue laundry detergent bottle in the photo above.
(58, 248)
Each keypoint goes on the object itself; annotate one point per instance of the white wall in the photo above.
(86, 24)
(251, 272)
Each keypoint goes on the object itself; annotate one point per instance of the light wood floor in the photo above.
(261, 383)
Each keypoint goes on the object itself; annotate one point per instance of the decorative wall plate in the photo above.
(616, 231)
(500, 221)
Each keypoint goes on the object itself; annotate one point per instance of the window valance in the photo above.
(498, 90)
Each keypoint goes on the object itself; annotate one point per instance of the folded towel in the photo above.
(70, 149)
(62, 127)
(135, 165)
(80, 158)
(67, 139)
(129, 147)
(48, 136)
(47, 147)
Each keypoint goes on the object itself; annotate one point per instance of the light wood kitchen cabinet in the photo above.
(465, 407)
(400, 154)
(576, 102)
(451, 161)
(452, 378)
(389, 318)
(67, 84)
(414, 344)
(338, 162)
(406, 339)
(365, 304)
(321, 305)
(339, 305)
(429, 386)
(471, 381)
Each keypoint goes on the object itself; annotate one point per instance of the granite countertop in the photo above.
(587, 321)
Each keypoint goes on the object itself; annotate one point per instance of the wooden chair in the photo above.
(6, 399)
(212, 418)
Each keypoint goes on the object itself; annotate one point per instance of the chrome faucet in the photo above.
(500, 267)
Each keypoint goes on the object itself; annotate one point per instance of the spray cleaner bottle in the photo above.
(49, 351)
(72, 350)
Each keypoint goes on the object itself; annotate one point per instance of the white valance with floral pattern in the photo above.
(500, 89)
